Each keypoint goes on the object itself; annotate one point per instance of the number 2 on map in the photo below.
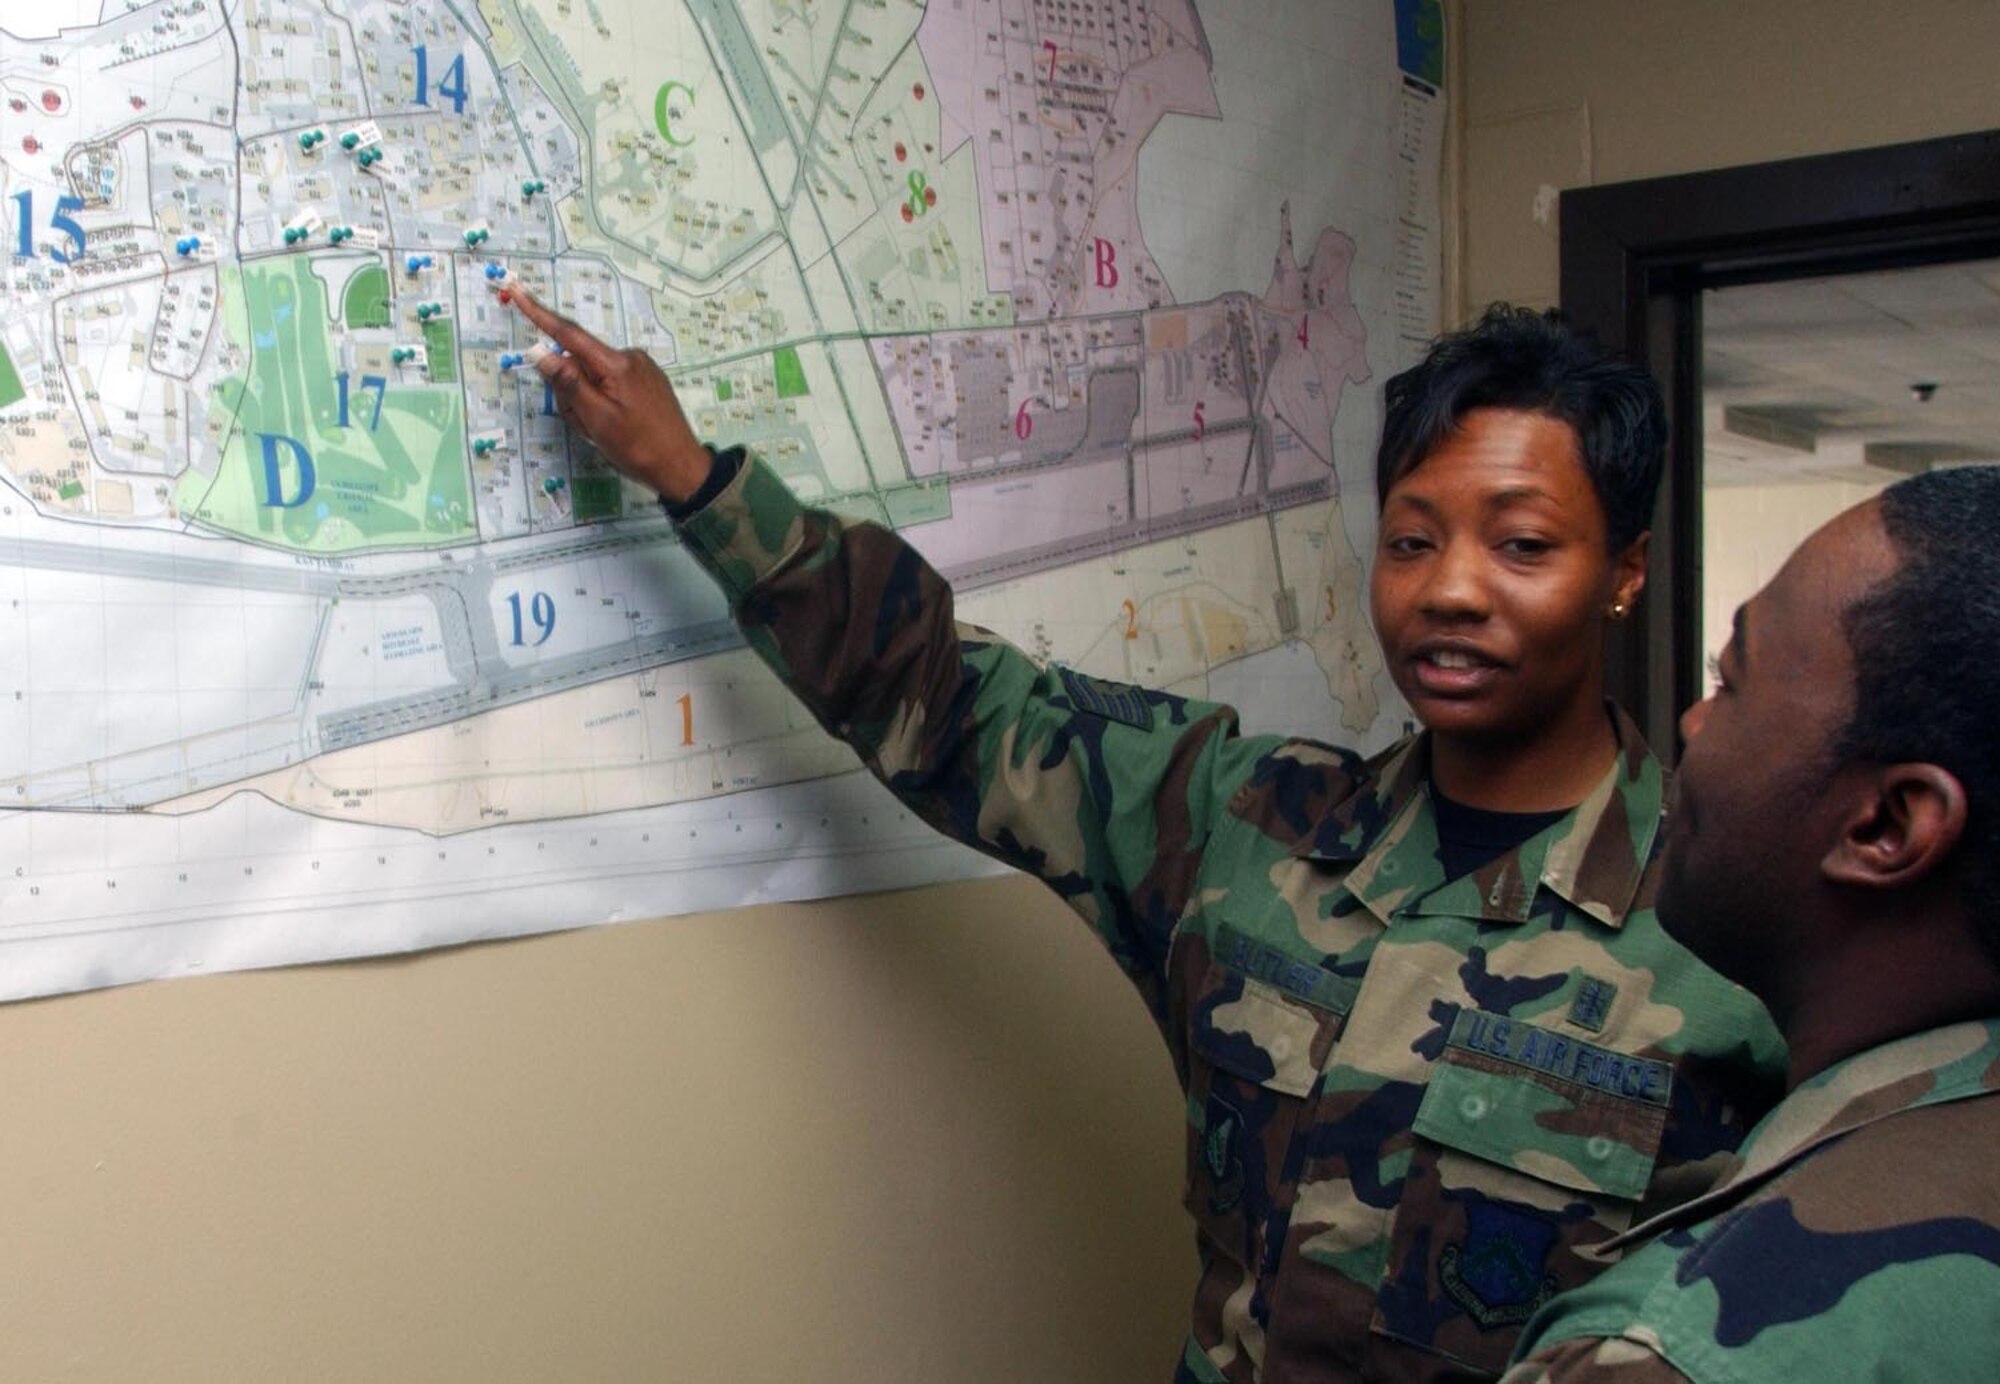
(452, 88)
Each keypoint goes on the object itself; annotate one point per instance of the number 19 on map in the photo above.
(541, 610)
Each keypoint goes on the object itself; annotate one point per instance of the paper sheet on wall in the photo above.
(320, 636)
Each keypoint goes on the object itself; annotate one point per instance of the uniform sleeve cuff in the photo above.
(747, 530)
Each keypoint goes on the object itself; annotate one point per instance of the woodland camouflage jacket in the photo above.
(1411, 1101)
(1857, 1238)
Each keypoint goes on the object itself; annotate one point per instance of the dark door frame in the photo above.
(1635, 257)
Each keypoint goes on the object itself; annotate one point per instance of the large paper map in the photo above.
(320, 636)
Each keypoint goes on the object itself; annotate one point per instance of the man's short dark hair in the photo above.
(1516, 358)
(1926, 681)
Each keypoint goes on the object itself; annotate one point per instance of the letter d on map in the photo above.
(1107, 263)
(274, 481)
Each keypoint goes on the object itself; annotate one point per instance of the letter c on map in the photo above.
(662, 117)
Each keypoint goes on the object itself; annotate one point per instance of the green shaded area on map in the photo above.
(724, 391)
(789, 374)
(366, 306)
(299, 469)
(441, 351)
(11, 390)
(917, 504)
(596, 497)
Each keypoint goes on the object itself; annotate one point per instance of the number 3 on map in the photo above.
(452, 88)
(59, 222)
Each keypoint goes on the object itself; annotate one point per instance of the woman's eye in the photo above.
(1405, 544)
(1525, 547)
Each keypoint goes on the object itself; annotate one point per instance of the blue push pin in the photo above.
(495, 271)
(188, 244)
(416, 264)
(510, 359)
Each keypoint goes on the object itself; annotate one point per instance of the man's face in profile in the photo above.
(1753, 815)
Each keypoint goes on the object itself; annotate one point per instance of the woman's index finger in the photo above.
(593, 354)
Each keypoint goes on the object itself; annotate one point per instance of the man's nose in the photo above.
(1695, 717)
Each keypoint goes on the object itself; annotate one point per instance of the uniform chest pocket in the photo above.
(1255, 1053)
(1531, 1146)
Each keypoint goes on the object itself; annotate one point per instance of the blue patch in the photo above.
(1568, 1059)
(1592, 1003)
(1499, 1273)
(1221, 1154)
(1305, 981)
(1113, 701)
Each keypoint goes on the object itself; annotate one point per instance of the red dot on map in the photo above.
(902, 154)
(138, 103)
(908, 215)
(31, 145)
(17, 104)
(918, 91)
(930, 196)
(52, 100)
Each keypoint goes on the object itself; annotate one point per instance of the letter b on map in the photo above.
(1107, 263)
(274, 479)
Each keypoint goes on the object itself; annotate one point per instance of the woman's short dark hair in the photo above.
(1517, 358)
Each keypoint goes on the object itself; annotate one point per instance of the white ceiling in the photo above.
(1829, 364)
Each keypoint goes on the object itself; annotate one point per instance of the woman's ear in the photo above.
(1628, 572)
(1906, 821)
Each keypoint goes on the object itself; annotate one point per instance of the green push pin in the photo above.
(532, 186)
(369, 156)
(402, 355)
(553, 485)
(309, 138)
(350, 141)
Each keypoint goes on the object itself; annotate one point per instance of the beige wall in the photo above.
(923, 1137)
(928, 1136)
(1565, 93)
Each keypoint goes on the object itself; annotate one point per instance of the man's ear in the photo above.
(1908, 819)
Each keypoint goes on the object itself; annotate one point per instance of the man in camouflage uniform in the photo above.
(1412, 1101)
(1836, 847)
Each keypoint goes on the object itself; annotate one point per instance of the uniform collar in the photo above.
(1957, 1062)
(1594, 858)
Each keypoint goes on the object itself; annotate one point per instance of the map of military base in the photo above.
(320, 634)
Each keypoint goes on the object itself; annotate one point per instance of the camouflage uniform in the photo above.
(1410, 1101)
(1859, 1238)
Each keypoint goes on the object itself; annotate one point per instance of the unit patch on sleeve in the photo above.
(1114, 701)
